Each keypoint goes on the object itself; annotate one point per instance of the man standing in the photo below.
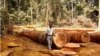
(49, 35)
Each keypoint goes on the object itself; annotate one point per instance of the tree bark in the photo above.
(79, 36)
(95, 37)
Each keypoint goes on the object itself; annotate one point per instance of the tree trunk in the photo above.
(47, 15)
(79, 36)
(99, 17)
(61, 37)
(4, 4)
(31, 14)
(37, 36)
(95, 36)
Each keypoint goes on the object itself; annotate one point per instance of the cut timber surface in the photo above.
(84, 36)
(60, 39)
(72, 45)
(67, 51)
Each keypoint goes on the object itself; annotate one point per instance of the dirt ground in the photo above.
(12, 45)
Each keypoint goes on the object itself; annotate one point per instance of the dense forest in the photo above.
(62, 13)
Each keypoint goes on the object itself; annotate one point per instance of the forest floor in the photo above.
(14, 45)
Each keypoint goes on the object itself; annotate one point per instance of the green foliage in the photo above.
(23, 12)
(79, 9)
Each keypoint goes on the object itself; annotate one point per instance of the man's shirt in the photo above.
(49, 31)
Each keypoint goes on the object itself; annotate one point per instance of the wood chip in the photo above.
(12, 44)
(67, 51)
(72, 45)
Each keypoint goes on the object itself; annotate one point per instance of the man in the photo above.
(49, 35)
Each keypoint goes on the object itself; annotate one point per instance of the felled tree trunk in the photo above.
(65, 36)
(95, 37)
(78, 36)
(60, 38)
(37, 36)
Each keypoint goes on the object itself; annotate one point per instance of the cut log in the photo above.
(60, 39)
(37, 36)
(95, 37)
(83, 36)
(72, 45)
(72, 35)
(79, 36)
(67, 51)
